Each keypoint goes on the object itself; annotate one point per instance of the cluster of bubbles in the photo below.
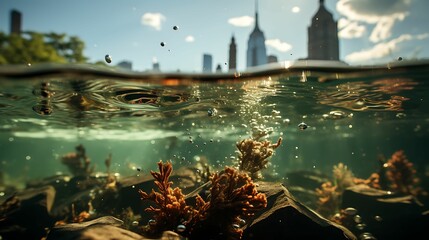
(357, 219)
(212, 112)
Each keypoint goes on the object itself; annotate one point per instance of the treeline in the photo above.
(34, 47)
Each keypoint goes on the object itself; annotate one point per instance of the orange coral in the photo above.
(77, 162)
(172, 210)
(233, 196)
(329, 199)
(254, 155)
(401, 173)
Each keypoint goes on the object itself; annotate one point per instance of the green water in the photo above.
(353, 115)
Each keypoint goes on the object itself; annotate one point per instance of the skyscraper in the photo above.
(15, 22)
(256, 51)
(207, 63)
(232, 54)
(323, 36)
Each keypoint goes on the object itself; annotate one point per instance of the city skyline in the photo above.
(370, 32)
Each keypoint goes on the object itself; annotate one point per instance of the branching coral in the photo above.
(254, 155)
(172, 210)
(233, 196)
(401, 173)
(78, 162)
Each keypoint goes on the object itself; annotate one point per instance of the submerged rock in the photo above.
(286, 218)
(28, 216)
(386, 215)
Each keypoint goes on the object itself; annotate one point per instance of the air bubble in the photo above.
(302, 126)
(162, 44)
(212, 112)
(181, 228)
(135, 223)
(175, 28)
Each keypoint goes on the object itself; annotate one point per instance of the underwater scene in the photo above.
(292, 150)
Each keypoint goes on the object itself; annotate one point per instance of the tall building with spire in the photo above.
(256, 51)
(323, 36)
(232, 64)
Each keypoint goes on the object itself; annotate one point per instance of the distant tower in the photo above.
(323, 36)
(15, 22)
(207, 63)
(256, 51)
(232, 54)
(155, 65)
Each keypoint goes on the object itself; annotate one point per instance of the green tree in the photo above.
(33, 47)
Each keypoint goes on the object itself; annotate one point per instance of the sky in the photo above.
(370, 31)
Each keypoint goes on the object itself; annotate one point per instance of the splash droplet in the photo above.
(108, 58)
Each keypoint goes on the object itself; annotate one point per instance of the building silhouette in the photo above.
(323, 36)
(218, 68)
(232, 64)
(125, 65)
(256, 51)
(15, 21)
(207, 63)
(272, 59)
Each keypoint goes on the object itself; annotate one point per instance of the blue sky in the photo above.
(371, 31)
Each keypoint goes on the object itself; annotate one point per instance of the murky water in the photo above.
(325, 115)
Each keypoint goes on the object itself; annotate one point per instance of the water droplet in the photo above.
(175, 28)
(138, 169)
(108, 58)
(28, 157)
(181, 228)
(135, 223)
(378, 218)
(302, 126)
(211, 140)
(212, 112)
(162, 44)
(350, 211)
(11, 139)
(399, 58)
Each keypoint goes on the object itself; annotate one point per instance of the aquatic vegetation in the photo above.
(78, 162)
(232, 196)
(401, 174)
(329, 199)
(343, 177)
(254, 155)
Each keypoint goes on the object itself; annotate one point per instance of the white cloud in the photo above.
(243, 21)
(422, 36)
(296, 9)
(278, 45)
(189, 38)
(351, 30)
(382, 13)
(379, 50)
(153, 20)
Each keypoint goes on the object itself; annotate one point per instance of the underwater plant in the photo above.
(343, 177)
(254, 155)
(329, 199)
(78, 162)
(401, 174)
(233, 196)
